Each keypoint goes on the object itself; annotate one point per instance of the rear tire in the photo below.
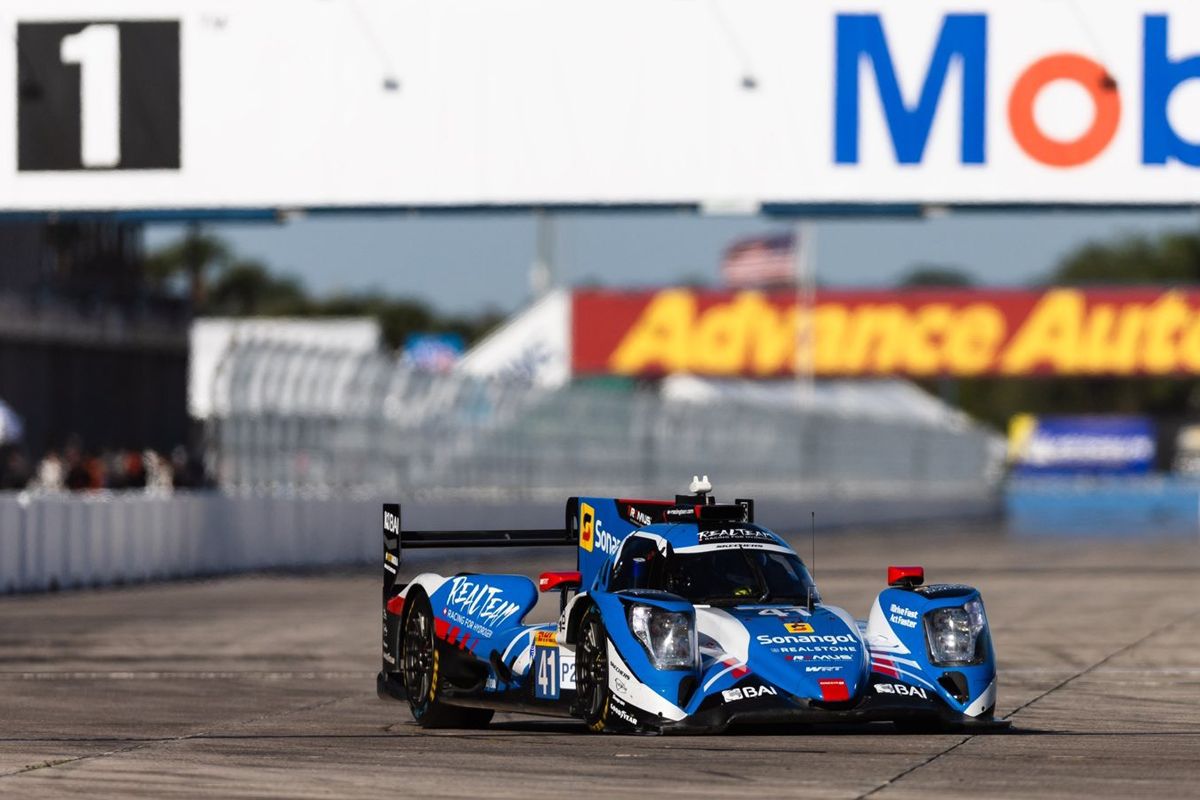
(591, 671)
(422, 682)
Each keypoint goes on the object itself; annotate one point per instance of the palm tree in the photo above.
(196, 255)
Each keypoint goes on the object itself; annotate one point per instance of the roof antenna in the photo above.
(700, 486)
(812, 565)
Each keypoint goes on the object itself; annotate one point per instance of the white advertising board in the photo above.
(148, 105)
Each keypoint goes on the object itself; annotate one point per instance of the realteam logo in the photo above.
(479, 600)
(963, 43)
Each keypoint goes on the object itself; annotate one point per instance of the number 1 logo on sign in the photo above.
(97, 95)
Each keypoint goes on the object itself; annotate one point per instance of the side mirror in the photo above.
(905, 577)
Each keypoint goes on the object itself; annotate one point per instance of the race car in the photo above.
(681, 616)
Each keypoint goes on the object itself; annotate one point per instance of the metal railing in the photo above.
(289, 417)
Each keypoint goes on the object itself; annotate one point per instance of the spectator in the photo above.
(95, 472)
(158, 472)
(51, 473)
(76, 474)
(135, 471)
(14, 471)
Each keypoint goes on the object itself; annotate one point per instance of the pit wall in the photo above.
(50, 542)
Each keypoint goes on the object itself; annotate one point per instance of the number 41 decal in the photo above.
(545, 685)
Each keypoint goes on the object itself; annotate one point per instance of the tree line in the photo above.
(1170, 259)
(222, 284)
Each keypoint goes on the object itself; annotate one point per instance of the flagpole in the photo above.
(542, 276)
(804, 238)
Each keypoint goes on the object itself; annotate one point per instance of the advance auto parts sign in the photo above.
(869, 333)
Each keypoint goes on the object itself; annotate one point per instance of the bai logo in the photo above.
(901, 689)
(964, 41)
(748, 693)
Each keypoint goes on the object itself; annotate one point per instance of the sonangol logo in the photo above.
(587, 520)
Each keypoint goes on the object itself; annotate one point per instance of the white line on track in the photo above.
(190, 675)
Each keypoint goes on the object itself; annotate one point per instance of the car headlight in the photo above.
(953, 633)
(668, 636)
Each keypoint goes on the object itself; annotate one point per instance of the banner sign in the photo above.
(433, 352)
(959, 333)
(280, 105)
(1084, 444)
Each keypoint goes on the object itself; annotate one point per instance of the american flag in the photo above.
(760, 261)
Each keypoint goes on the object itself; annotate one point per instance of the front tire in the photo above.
(422, 681)
(591, 671)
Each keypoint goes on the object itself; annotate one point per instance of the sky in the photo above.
(464, 263)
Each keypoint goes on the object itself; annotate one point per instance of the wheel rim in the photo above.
(594, 673)
(418, 657)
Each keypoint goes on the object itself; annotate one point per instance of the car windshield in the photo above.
(729, 576)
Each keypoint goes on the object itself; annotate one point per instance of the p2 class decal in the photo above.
(566, 670)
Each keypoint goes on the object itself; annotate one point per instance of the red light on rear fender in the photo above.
(905, 576)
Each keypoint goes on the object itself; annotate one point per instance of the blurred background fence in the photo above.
(294, 417)
(306, 441)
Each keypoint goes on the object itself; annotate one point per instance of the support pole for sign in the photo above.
(541, 272)
(804, 249)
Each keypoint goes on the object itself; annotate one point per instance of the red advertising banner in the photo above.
(1059, 331)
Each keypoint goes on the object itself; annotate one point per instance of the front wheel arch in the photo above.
(576, 613)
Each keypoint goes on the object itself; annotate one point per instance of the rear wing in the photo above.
(581, 524)
(396, 540)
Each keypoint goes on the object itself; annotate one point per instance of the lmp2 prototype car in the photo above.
(682, 616)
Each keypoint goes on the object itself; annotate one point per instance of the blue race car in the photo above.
(682, 616)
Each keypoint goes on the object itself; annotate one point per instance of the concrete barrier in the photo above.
(62, 541)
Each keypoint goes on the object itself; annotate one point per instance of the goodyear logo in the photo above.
(798, 627)
(587, 526)
(545, 639)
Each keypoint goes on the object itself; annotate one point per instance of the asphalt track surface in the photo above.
(263, 686)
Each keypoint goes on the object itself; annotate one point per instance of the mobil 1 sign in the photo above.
(97, 94)
(836, 104)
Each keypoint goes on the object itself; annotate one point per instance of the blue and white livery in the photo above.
(681, 616)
